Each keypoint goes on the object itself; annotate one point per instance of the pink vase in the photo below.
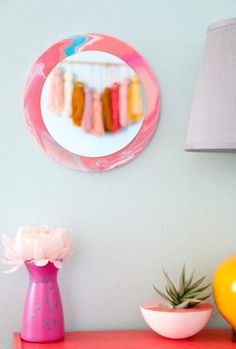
(43, 319)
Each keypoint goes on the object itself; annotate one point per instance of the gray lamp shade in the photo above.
(212, 125)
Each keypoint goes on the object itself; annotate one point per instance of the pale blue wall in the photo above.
(164, 208)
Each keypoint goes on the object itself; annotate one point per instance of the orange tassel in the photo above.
(77, 104)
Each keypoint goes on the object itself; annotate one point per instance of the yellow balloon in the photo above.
(224, 289)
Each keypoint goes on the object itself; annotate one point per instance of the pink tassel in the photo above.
(87, 121)
(68, 92)
(56, 93)
(123, 105)
(98, 127)
(115, 107)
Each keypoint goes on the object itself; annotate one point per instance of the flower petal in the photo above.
(57, 264)
(41, 262)
(16, 267)
(39, 244)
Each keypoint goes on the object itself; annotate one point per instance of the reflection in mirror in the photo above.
(92, 103)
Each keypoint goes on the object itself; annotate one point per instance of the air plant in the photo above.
(188, 294)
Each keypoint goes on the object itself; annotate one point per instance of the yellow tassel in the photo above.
(135, 101)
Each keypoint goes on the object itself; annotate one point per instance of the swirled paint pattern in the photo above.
(54, 55)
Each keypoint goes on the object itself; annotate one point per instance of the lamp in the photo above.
(212, 125)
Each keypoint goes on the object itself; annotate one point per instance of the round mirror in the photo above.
(92, 102)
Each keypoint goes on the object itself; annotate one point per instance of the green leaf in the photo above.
(204, 297)
(189, 281)
(162, 295)
(190, 295)
(197, 283)
(196, 292)
(201, 289)
(183, 305)
(172, 296)
(188, 303)
(164, 305)
(170, 284)
(182, 282)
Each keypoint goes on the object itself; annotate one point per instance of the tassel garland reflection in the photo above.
(115, 108)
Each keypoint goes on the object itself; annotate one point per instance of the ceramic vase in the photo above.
(176, 323)
(43, 319)
(224, 291)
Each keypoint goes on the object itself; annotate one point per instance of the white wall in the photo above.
(164, 208)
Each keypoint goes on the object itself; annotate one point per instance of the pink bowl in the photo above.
(176, 323)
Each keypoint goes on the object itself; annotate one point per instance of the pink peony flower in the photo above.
(39, 245)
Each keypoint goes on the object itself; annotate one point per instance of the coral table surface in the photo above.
(132, 339)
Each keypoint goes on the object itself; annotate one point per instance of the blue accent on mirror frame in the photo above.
(77, 41)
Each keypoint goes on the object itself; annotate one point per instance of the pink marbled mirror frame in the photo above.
(41, 69)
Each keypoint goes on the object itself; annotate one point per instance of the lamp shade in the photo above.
(212, 125)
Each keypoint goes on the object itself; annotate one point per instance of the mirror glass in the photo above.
(92, 103)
